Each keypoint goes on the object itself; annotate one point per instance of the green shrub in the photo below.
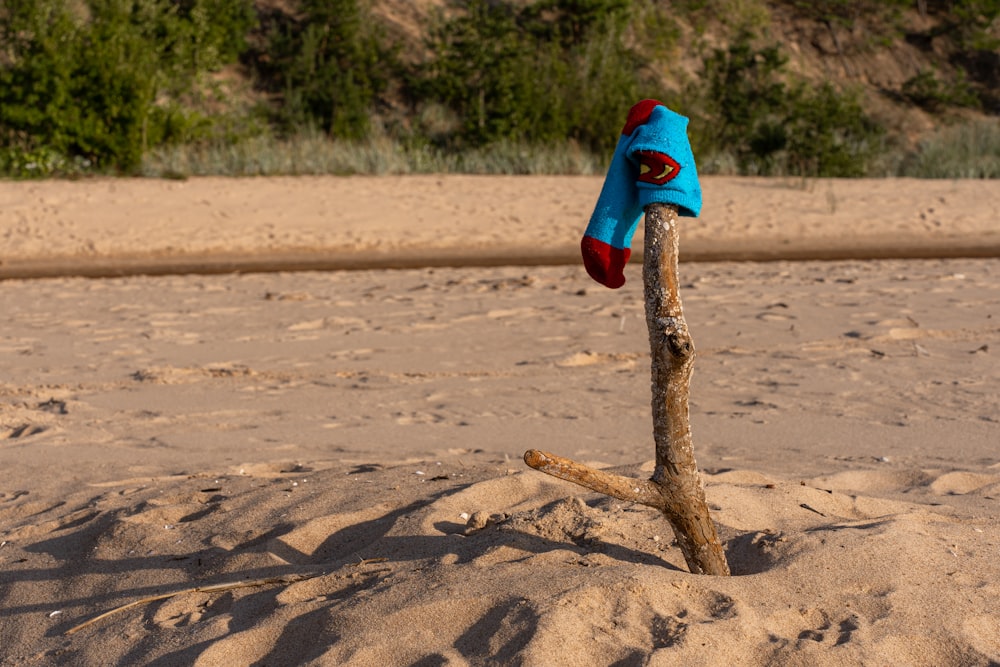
(829, 133)
(39, 163)
(976, 24)
(925, 89)
(748, 112)
(329, 67)
(742, 101)
(98, 83)
(555, 70)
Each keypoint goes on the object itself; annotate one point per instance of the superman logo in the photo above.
(657, 168)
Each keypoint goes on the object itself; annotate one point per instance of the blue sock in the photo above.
(652, 162)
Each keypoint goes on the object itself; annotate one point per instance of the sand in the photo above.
(323, 437)
(124, 227)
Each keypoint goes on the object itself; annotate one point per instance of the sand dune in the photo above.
(347, 446)
(391, 575)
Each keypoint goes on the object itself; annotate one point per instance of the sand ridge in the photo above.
(554, 578)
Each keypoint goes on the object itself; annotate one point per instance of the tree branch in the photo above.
(676, 488)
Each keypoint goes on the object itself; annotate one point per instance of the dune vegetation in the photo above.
(185, 87)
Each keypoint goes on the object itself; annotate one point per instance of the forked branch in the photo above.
(676, 488)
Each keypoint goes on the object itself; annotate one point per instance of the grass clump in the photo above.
(315, 153)
(969, 150)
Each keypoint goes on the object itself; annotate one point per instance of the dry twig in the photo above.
(218, 588)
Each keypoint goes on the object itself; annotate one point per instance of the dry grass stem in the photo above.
(215, 588)
(219, 588)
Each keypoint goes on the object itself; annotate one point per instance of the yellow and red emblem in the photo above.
(656, 168)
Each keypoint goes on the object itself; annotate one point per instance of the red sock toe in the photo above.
(604, 262)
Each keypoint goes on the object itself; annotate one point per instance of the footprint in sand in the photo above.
(71, 520)
(185, 610)
(418, 417)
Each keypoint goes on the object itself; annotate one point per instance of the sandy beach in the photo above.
(289, 459)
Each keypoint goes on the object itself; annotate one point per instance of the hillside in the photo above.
(829, 88)
(916, 62)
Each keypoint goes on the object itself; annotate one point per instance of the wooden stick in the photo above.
(676, 472)
(675, 488)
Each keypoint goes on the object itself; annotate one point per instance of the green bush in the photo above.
(829, 133)
(926, 90)
(329, 68)
(551, 71)
(741, 103)
(98, 83)
(747, 111)
(976, 24)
